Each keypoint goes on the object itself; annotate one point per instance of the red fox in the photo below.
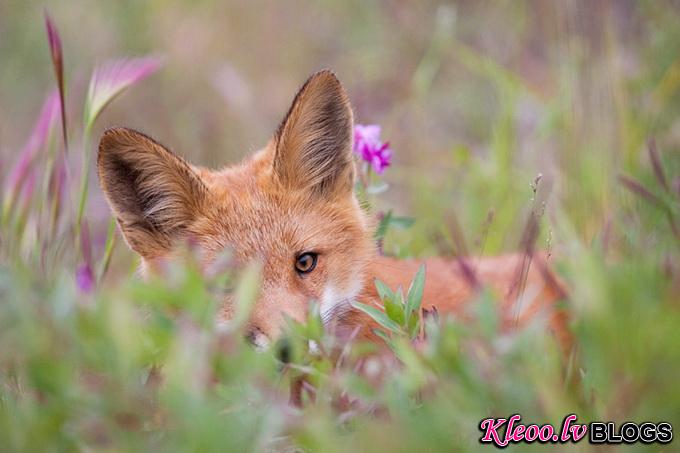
(292, 207)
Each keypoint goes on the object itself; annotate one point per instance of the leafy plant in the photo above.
(401, 315)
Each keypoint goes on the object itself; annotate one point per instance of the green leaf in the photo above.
(413, 326)
(246, 293)
(402, 222)
(108, 250)
(394, 310)
(415, 292)
(399, 295)
(487, 315)
(384, 291)
(377, 188)
(314, 323)
(389, 220)
(384, 336)
(378, 316)
(383, 225)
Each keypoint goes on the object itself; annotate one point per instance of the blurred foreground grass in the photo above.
(572, 91)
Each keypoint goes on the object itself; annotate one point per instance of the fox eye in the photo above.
(305, 263)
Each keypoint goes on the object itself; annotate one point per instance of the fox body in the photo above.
(292, 208)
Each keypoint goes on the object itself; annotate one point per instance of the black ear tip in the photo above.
(110, 134)
(119, 139)
(325, 78)
(117, 134)
(114, 136)
(108, 143)
(326, 74)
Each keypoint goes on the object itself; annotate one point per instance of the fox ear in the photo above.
(153, 193)
(314, 141)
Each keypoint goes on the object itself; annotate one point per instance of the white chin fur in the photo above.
(332, 297)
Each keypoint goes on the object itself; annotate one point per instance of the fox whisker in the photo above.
(337, 311)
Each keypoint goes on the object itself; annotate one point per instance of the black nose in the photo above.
(255, 337)
(250, 336)
(284, 350)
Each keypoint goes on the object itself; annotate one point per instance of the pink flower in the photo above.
(85, 278)
(112, 78)
(38, 138)
(368, 145)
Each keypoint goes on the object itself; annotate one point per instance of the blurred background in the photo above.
(497, 112)
(477, 98)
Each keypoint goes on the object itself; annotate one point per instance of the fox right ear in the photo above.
(314, 141)
(154, 194)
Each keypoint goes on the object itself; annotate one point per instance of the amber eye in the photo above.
(305, 263)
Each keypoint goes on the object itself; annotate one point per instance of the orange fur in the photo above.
(292, 197)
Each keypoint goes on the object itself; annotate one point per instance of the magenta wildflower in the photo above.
(85, 278)
(84, 274)
(58, 62)
(41, 131)
(112, 78)
(368, 145)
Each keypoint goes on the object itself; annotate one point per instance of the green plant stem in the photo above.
(108, 250)
(84, 181)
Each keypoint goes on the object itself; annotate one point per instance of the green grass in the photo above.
(471, 125)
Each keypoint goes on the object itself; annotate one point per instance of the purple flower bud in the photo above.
(58, 62)
(55, 44)
(85, 279)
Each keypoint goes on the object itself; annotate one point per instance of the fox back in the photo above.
(290, 207)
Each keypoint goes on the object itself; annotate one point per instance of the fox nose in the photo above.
(257, 338)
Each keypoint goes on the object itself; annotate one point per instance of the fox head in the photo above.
(290, 206)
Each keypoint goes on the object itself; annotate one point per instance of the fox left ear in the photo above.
(313, 144)
(154, 194)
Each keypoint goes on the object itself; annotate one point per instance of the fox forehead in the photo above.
(254, 218)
